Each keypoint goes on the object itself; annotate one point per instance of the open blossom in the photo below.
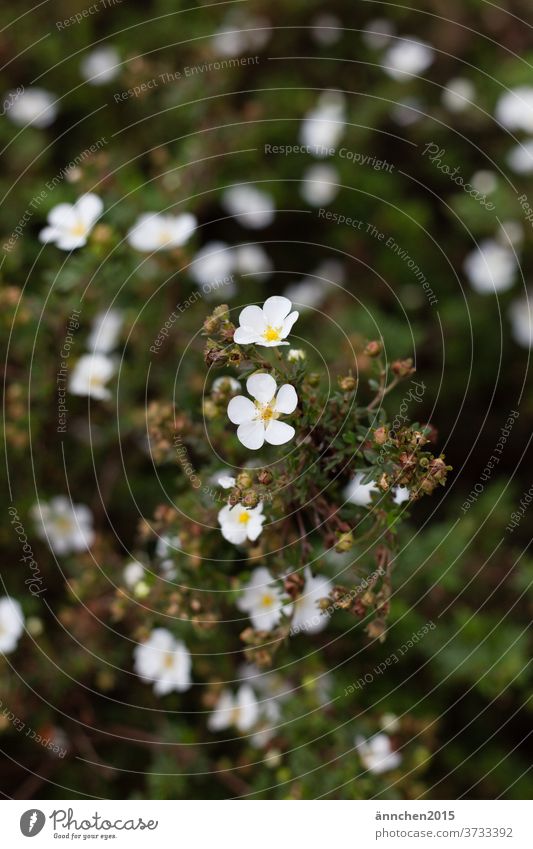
(521, 316)
(34, 106)
(515, 109)
(213, 267)
(323, 126)
(520, 157)
(458, 94)
(320, 184)
(164, 661)
(258, 420)
(11, 624)
(239, 523)
(491, 267)
(240, 711)
(156, 231)
(268, 325)
(69, 224)
(67, 527)
(377, 753)
(361, 493)
(307, 615)
(408, 56)
(133, 573)
(262, 599)
(253, 207)
(105, 331)
(252, 259)
(89, 376)
(100, 65)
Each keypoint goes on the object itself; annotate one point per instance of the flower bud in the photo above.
(348, 383)
(381, 435)
(373, 349)
(265, 477)
(345, 542)
(384, 482)
(244, 480)
(313, 379)
(251, 499)
(294, 584)
(403, 368)
(295, 355)
(377, 630)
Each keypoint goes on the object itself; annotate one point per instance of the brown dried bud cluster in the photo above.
(264, 477)
(403, 368)
(381, 435)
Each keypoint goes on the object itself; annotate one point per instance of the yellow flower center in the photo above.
(244, 517)
(168, 661)
(164, 237)
(267, 600)
(63, 523)
(272, 334)
(266, 412)
(95, 381)
(79, 229)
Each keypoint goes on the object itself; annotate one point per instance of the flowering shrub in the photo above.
(255, 309)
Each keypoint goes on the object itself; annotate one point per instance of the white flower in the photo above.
(320, 185)
(314, 289)
(241, 711)
(226, 383)
(168, 545)
(100, 65)
(323, 126)
(67, 527)
(360, 493)
(458, 94)
(133, 573)
(407, 57)
(11, 624)
(268, 325)
(258, 420)
(262, 600)
(377, 33)
(401, 494)
(253, 207)
(484, 181)
(212, 267)
(491, 267)
(326, 29)
(377, 753)
(307, 615)
(515, 109)
(105, 331)
(89, 376)
(520, 157)
(32, 106)
(295, 355)
(156, 231)
(521, 317)
(252, 259)
(165, 661)
(240, 34)
(69, 224)
(226, 481)
(240, 523)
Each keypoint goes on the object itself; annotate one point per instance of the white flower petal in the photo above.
(62, 215)
(276, 309)
(251, 435)
(262, 387)
(252, 317)
(241, 410)
(278, 433)
(245, 336)
(89, 207)
(286, 399)
(288, 323)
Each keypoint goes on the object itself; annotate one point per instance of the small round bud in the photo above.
(402, 368)
(345, 542)
(244, 480)
(348, 383)
(250, 499)
(264, 477)
(313, 379)
(381, 435)
(295, 355)
(373, 349)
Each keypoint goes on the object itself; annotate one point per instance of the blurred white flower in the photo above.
(514, 109)
(401, 494)
(69, 224)
(377, 33)
(133, 573)
(491, 267)
(360, 493)
(226, 383)
(262, 600)
(65, 526)
(521, 317)
(326, 29)
(100, 65)
(258, 420)
(307, 615)
(167, 546)
(253, 207)
(11, 624)
(105, 331)
(313, 290)
(458, 94)
(296, 355)
(89, 376)
(240, 711)
(226, 481)
(212, 267)
(484, 181)
(323, 127)
(510, 232)
(252, 259)
(407, 112)
(407, 57)
(32, 106)
(164, 661)
(239, 523)
(240, 34)
(520, 157)
(320, 185)
(156, 231)
(377, 753)
(268, 325)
